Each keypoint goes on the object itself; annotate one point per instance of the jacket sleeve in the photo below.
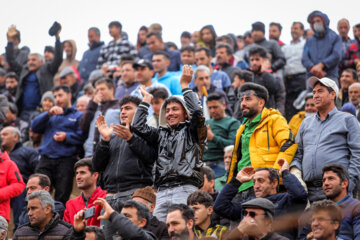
(150, 134)
(297, 160)
(224, 206)
(101, 156)
(75, 137)
(223, 142)
(66, 216)
(334, 58)
(280, 94)
(295, 191)
(127, 229)
(15, 182)
(75, 235)
(56, 62)
(10, 58)
(88, 116)
(279, 56)
(285, 139)
(305, 60)
(33, 160)
(40, 122)
(142, 149)
(353, 140)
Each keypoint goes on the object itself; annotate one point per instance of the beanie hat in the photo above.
(146, 193)
(349, 107)
(258, 26)
(48, 95)
(49, 49)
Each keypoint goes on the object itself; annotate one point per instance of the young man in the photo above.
(160, 95)
(201, 202)
(128, 81)
(86, 179)
(181, 222)
(179, 142)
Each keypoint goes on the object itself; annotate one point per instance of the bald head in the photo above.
(343, 28)
(82, 103)
(354, 94)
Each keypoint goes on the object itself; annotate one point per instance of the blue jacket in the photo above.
(175, 60)
(26, 159)
(326, 49)
(293, 200)
(67, 122)
(89, 61)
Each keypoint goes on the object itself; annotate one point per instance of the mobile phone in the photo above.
(89, 213)
(124, 124)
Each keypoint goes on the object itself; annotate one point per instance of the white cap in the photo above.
(325, 81)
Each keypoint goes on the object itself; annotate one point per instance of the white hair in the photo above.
(44, 197)
(229, 148)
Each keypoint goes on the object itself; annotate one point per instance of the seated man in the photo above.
(3, 228)
(86, 179)
(221, 181)
(129, 224)
(201, 202)
(266, 181)
(181, 222)
(42, 219)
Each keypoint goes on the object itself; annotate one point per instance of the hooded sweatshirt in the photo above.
(213, 42)
(67, 62)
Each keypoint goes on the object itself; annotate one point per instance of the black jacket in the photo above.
(278, 59)
(179, 149)
(158, 228)
(56, 229)
(124, 165)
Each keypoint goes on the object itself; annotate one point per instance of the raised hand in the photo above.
(104, 130)
(56, 110)
(11, 33)
(284, 165)
(186, 77)
(123, 131)
(147, 96)
(245, 175)
(79, 222)
(107, 208)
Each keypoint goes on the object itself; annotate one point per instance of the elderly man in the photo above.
(3, 228)
(354, 96)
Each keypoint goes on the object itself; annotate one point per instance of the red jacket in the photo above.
(11, 183)
(76, 204)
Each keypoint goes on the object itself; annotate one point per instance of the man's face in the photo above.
(236, 83)
(68, 49)
(201, 213)
(154, 44)
(207, 35)
(258, 220)
(34, 63)
(227, 160)
(316, 20)
(114, 31)
(160, 63)
(142, 36)
(323, 98)
(178, 228)
(346, 80)
(68, 80)
(8, 139)
(62, 99)
(356, 32)
(128, 73)
(188, 57)
(310, 106)
(274, 33)
(256, 62)
(127, 112)
(47, 104)
(84, 179)
(185, 41)
(248, 39)
(221, 56)
(150, 205)
(131, 214)
(322, 226)
(175, 114)
(195, 37)
(262, 185)
(250, 105)
(33, 185)
(332, 185)
(208, 186)
(202, 79)
(49, 56)
(202, 59)
(354, 95)
(156, 104)
(104, 91)
(257, 35)
(35, 137)
(216, 109)
(144, 74)
(343, 28)
(296, 31)
(37, 214)
(11, 83)
(81, 105)
(240, 43)
(93, 37)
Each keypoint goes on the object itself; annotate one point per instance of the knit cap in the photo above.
(146, 193)
(48, 95)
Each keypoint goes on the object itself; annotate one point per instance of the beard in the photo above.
(251, 113)
(12, 91)
(184, 235)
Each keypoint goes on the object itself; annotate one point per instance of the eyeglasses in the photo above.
(251, 213)
(247, 93)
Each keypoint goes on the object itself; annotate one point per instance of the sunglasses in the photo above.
(251, 213)
(248, 93)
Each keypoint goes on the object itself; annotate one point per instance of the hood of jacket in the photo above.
(162, 115)
(212, 29)
(74, 49)
(324, 17)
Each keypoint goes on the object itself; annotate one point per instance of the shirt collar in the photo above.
(329, 115)
(254, 121)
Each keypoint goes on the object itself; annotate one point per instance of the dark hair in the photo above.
(357, 25)
(278, 25)
(99, 233)
(142, 210)
(229, 49)
(85, 162)
(13, 108)
(64, 87)
(188, 49)
(216, 96)
(143, 28)
(331, 208)
(171, 44)
(353, 72)
(109, 83)
(96, 30)
(273, 174)
(210, 174)
(259, 90)
(127, 58)
(200, 197)
(300, 23)
(115, 24)
(44, 180)
(156, 34)
(185, 34)
(128, 98)
(172, 99)
(186, 212)
(159, 92)
(246, 75)
(258, 51)
(227, 38)
(205, 49)
(328, 88)
(162, 53)
(12, 75)
(340, 171)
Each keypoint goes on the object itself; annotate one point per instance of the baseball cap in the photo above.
(143, 63)
(66, 71)
(260, 203)
(325, 81)
(3, 223)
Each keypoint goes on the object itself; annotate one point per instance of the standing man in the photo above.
(275, 33)
(343, 27)
(62, 141)
(322, 140)
(127, 84)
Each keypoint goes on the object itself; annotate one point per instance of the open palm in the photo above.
(104, 130)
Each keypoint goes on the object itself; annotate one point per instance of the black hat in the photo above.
(258, 26)
(143, 63)
(49, 49)
(260, 203)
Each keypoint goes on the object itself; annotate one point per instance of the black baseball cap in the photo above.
(143, 63)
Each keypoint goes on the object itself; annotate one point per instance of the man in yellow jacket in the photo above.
(262, 139)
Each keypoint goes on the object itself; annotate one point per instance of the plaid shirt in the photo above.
(111, 53)
(352, 53)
